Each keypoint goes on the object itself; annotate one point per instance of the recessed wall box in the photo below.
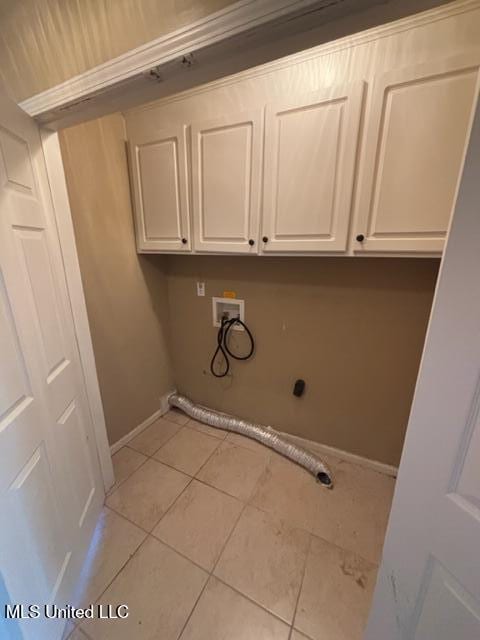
(230, 307)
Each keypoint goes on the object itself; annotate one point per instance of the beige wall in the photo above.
(352, 328)
(44, 43)
(126, 294)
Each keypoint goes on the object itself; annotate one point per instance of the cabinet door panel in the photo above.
(160, 190)
(310, 153)
(226, 159)
(417, 130)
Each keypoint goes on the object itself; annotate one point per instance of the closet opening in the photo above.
(255, 256)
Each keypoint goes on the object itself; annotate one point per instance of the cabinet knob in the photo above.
(251, 242)
(184, 241)
(360, 237)
(265, 239)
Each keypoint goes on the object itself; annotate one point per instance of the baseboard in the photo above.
(164, 407)
(310, 445)
(319, 449)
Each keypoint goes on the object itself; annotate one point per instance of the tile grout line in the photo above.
(194, 607)
(301, 585)
(247, 502)
(97, 600)
(210, 573)
(194, 477)
(82, 632)
(250, 599)
(170, 506)
(150, 455)
(178, 470)
(78, 624)
(114, 488)
(179, 553)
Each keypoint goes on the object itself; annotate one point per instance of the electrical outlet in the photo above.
(200, 288)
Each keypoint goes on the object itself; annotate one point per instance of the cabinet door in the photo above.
(159, 179)
(310, 150)
(226, 165)
(417, 129)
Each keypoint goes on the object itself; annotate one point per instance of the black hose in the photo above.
(222, 345)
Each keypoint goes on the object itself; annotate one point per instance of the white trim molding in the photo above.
(123, 82)
(232, 20)
(363, 37)
(164, 408)
(63, 217)
(314, 447)
(323, 449)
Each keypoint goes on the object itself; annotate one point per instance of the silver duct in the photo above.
(266, 435)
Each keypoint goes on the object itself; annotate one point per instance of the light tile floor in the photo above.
(211, 536)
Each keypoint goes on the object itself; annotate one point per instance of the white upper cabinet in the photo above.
(351, 148)
(159, 180)
(226, 165)
(417, 129)
(310, 149)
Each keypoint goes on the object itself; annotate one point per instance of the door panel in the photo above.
(14, 386)
(51, 489)
(310, 150)
(161, 190)
(81, 481)
(429, 579)
(35, 574)
(448, 606)
(226, 159)
(16, 161)
(35, 510)
(34, 251)
(417, 130)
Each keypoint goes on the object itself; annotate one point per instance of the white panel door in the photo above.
(160, 189)
(429, 581)
(226, 165)
(417, 130)
(50, 485)
(310, 150)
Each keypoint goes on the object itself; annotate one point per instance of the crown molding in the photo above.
(94, 92)
(239, 17)
(398, 26)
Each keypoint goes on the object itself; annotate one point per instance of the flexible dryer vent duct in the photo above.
(265, 435)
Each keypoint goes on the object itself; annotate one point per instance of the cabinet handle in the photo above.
(184, 241)
(265, 239)
(360, 237)
(251, 242)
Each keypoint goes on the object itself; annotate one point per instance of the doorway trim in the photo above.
(64, 223)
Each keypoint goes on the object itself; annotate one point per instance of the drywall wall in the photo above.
(352, 328)
(126, 294)
(45, 43)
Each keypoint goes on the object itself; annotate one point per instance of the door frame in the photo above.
(64, 224)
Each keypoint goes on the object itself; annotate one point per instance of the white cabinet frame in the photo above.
(172, 204)
(244, 240)
(334, 204)
(367, 237)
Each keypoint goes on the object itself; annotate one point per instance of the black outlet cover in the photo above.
(299, 388)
